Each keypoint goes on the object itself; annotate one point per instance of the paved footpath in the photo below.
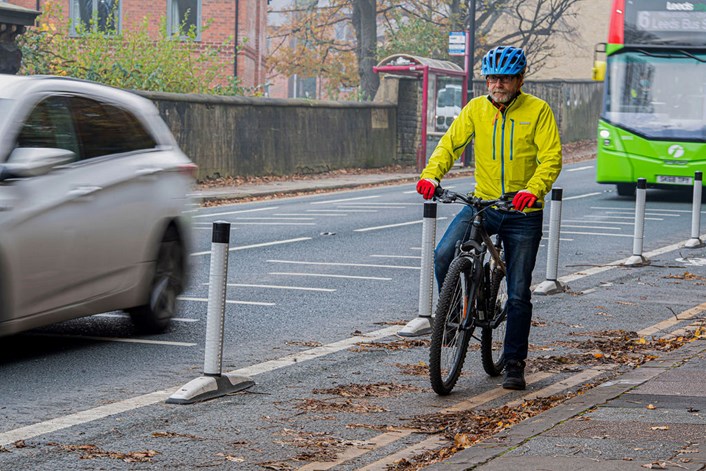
(652, 417)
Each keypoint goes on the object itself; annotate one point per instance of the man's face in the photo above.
(502, 88)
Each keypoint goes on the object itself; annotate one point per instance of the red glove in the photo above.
(426, 187)
(523, 199)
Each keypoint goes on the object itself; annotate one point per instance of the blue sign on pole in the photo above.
(457, 43)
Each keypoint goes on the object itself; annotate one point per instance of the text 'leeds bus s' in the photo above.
(653, 121)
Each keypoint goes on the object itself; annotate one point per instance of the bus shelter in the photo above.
(444, 91)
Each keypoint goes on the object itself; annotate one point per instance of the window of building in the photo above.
(184, 18)
(95, 15)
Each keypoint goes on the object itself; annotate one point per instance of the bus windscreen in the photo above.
(657, 96)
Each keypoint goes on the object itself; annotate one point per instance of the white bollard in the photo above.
(637, 259)
(551, 285)
(695, 241)
(422, 324)
(215, 314)
(214, 383)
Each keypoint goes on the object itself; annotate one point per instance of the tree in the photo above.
(417, 27)
(364, 20)
(130, 59)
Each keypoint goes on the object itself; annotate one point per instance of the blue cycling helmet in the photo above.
(504, 60)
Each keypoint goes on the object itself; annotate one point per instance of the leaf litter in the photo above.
(358, 390)
(90, 452)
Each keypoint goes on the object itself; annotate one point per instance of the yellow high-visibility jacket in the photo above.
(515, 150)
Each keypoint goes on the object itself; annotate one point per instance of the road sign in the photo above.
(457, 43)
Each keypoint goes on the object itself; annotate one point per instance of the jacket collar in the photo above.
(502, 106)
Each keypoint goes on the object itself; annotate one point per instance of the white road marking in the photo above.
(416, 257)
(655, 209)
(384, 204)
(126, 316)
(607, 222)
(281, 218)
(578, 169)
(236, 223)
(346, 199)
(306, 355)
(618, 263)
(228, 301)
(308, 214)
(375, 228)
(60, 423)
(619, 217)
(325, 275)
(101, 412)
(338, 264)
(586, 195)
(79, 418)
(114, 339)
(342, 211)
(388, 226)
(591, 227)
(254, 246)
(626, 212)
(593, 233)
(299, 288)
(360, 206)
(210, 215)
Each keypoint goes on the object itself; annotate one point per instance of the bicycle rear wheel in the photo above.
(449, 342)
(492, 340)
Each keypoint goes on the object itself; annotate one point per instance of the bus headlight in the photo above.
(605, 135)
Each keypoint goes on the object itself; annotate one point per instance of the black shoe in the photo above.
(514, 375)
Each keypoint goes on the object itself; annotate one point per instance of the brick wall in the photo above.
(219, 14)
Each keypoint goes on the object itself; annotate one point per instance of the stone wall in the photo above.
(576, 105)
(240, 136)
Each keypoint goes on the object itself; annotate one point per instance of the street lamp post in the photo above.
(471, 46)
(470, 49)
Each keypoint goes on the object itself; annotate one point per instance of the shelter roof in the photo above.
(402, 60)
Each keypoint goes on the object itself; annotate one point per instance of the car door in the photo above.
(112, 183)
(77, 238)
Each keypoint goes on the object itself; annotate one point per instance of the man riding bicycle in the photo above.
(517, 150)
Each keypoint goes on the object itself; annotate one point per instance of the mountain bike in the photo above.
(473, 295)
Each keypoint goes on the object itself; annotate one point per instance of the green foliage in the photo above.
(128, 59)
(418, 37)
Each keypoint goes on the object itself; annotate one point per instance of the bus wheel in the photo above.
(626, 189)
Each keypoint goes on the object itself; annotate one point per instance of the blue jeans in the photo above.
(521, 234)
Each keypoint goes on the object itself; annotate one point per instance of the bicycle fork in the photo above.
(469, 290)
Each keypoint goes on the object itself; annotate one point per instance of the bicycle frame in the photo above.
(475, 248)
(469, 298)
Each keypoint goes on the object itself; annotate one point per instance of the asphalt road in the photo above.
(307, 277)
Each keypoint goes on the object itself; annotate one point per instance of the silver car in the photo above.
(93, 205)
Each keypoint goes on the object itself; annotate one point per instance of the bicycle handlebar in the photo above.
(504, 202)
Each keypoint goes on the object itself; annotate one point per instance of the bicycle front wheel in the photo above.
(449, 341)
(492, 340)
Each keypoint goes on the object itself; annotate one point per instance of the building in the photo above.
(571, 59)
(574, 60)
(216, 22)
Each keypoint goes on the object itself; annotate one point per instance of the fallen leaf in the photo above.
(654, 465)
(651, 406)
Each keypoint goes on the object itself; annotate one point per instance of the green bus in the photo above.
(653, 120)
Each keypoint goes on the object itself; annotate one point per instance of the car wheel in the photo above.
(167, 284)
